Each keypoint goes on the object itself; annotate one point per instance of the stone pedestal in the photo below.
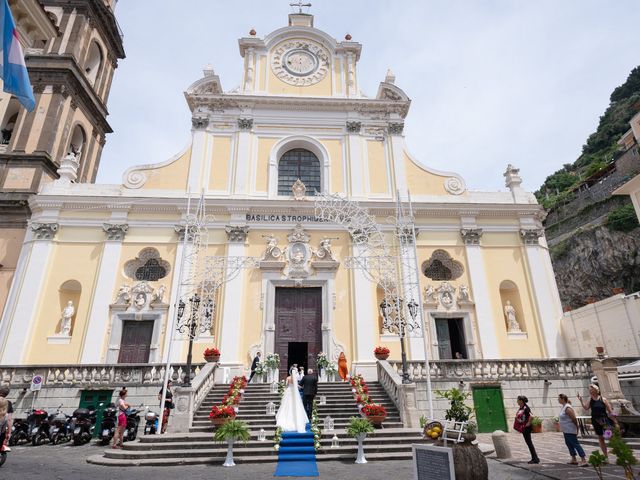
(606, 370)
(501, 444)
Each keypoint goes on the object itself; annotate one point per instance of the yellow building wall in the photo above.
(10, 245)
(170, 177)
(265, 145)
(422, 182)
(378, 175)
(69, 261)
(219, 176)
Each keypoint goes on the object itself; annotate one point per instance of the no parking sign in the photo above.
(36, 383)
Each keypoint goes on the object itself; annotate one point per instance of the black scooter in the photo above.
(60, 427)
(109, 424)
(40, 434)
(133, 421)
(24, 430)
(83, 424)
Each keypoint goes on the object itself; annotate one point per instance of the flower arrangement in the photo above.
(272, 361)
(381, 351)
(222, 412)
(277, 437)
(362, 399)
(331, 368)
(322, 360)
(260, 368)
(374, 410)
(211, 352)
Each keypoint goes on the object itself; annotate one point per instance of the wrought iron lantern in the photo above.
(271, 408)
(262, 436)
(328, 423)
(335, 443)
(323, 399)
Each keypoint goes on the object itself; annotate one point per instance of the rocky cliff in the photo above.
(593, 261)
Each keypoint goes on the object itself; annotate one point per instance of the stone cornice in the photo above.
(224, 102)
(63, 71)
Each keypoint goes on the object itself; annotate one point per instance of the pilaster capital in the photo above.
(396, 128)
(44, 231)
(245, 123)
(237, 233)
(180, 230)
(199, 123)
(471, 236)
(115, 231)
(354, 127)
(531, 236)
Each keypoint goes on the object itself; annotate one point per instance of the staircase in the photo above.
(392, 441)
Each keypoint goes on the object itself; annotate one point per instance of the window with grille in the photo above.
(302, 164)
(440, 266)
(151, 271)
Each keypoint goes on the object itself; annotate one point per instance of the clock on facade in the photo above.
(300, 62)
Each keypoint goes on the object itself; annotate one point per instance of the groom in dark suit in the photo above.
(309, 384)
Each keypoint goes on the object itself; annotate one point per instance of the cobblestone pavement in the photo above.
(68, 463)
(554, 456)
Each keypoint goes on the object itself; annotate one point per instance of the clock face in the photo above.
(300, 62)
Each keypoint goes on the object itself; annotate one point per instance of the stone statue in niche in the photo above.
(123, 297)
(65, 320)
(158, 296)
(430, 294)
(512, 323)
(140, 301)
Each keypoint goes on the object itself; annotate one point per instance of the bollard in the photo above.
(501, 444)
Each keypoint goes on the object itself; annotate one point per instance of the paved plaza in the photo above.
(67, 462)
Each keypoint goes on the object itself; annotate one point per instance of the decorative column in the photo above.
(242, 163)
(484, 314)
(232, 310)
(18, 319)
(411, 289)
(169, 329)
(197, 180)
(366, 316)
(355, 182)
(98, 320)
(396, 141)
(545, 290)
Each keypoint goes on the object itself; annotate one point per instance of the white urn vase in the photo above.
(228, 462)
(360, 456)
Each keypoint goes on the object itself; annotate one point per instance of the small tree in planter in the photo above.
(536, 425)
(231, 432)
(623, 453)
(381, 353)
(469, 462)
(597, 460)
(358, 429)
(212, 355)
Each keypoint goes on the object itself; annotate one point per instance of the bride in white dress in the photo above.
(291, 416)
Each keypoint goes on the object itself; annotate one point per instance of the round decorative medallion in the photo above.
(300, 62)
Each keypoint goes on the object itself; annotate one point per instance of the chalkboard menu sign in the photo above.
(432, 463)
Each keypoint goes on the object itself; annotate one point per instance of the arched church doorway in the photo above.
(298, 326)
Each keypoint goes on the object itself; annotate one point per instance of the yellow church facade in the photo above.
(297, 124)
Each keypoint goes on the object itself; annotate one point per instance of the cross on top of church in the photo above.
(299, 4)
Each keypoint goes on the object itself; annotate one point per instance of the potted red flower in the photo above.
(381, 353)
(374, 413)
(221, 414)
(212, 355)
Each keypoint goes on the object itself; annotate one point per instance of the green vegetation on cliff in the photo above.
(601, 146)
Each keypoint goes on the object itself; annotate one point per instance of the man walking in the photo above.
(309, 384)
(254, 364)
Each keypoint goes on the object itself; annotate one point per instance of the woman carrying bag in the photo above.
(569, 428)
(522, 424)
(602, 416)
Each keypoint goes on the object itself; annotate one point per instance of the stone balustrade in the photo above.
(496, 370)
(94, 376)
(188, 399)
(402, 395)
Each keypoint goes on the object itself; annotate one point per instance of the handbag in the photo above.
(519, 423)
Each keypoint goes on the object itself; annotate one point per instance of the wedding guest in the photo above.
(168, 406)
(569, 428)
(522, 424)
(122, 419)
(602, 416)
(4, 393)
(343, 371)
(254, 364)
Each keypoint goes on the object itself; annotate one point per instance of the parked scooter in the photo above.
(109, 424)
(40, 432)
(24, 430)
(151, 422)
(60, 427)
(133, 421)
(83, 424)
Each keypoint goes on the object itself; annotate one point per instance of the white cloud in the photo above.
(491, 82)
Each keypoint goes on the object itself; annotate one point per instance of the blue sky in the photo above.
(492, 82)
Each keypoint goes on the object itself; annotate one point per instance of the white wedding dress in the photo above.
(291, 416)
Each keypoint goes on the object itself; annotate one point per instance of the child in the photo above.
(4, 392)
(4, 405)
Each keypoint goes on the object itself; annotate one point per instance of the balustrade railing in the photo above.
(485, 370)
(93, 375)
(203, 383)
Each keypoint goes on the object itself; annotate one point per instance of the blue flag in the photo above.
(13, 70)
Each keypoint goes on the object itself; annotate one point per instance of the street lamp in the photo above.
(394, 320)
(198, 321)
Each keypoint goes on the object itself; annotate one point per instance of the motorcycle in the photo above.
(83, 423)
(25, 429)
(60, 429)
(109, 424)
(133, 421)
(41, 428)
(151, 424)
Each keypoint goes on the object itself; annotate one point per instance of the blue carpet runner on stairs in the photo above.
(297, 455)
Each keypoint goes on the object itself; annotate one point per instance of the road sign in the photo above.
(36, 383)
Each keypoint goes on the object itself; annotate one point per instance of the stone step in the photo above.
(219, 459)
(203, 427)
